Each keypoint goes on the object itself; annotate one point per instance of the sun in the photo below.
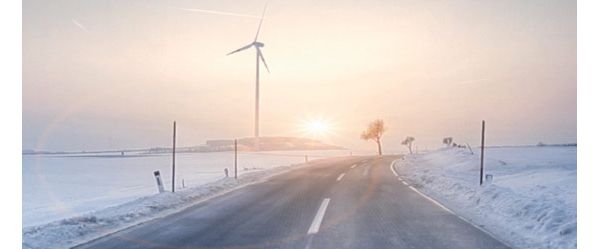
(316, 128)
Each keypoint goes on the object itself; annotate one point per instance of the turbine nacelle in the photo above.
(258, 44)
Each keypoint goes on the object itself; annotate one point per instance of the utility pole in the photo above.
(173, 173)
(482, 149)
(235, 158)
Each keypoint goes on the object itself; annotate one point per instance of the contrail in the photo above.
(214, 12)
(80, 26)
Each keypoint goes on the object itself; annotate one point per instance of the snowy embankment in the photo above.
(531, 202)
(69, 232)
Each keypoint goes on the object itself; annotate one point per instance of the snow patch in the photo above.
(531, 202)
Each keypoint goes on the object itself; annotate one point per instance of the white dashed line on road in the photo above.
(340, 177)
(316, 223)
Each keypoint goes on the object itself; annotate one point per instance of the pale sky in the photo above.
(115, 74)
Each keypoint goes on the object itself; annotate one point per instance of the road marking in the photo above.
(392, 167)
(431, 200)
(340, 177)
(367, 170)
(483, 230)
(353, 166)
(309, 243)
(445, 208)
(316, 223)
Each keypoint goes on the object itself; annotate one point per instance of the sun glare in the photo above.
(316, 128)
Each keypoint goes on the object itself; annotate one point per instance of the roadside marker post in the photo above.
(159, 183)
(235, 167)
(482, 149)
(489, 178)
(173, 173)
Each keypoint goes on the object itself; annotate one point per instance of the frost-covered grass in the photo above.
(531, 202)
(72, 231)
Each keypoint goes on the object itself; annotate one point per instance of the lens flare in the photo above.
(316, 128)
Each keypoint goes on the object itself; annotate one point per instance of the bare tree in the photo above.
(447, 141)
(408, 141)
(374, 132)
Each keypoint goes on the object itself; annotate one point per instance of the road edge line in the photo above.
(432, 200)
(392, 167)
(460, 217)
(450, 211)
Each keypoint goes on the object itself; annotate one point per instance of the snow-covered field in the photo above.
(531, 202)
(59, 187)
(142, 203)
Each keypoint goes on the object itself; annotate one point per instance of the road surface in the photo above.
(351, 202)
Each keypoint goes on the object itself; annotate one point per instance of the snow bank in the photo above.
(69, 232)
(531, 202)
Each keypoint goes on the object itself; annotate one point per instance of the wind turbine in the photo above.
(259, 56)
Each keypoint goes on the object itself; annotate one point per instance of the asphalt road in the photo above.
(352, 202)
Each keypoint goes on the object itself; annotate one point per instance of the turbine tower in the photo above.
(259, 56)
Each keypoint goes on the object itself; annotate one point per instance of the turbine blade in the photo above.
(263, 60)
(240, 49)
(260, 23)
